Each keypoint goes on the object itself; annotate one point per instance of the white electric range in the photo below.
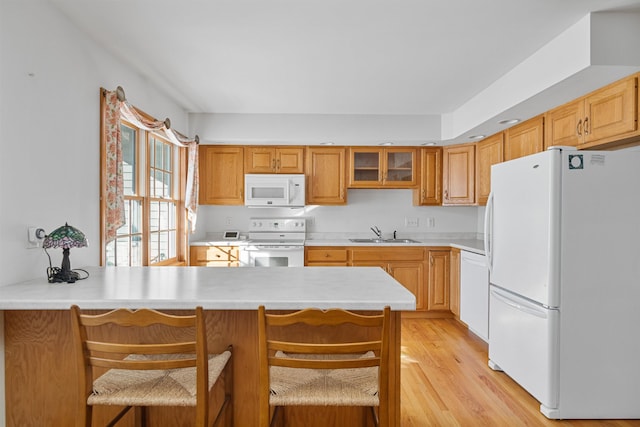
(274, 242)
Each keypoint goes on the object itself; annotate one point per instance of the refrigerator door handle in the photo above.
(525, 307)
(488, 232)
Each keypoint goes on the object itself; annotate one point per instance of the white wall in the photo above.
(386, 209)
(303, 129)
(50, 76)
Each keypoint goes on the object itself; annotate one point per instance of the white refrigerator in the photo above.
(562, 236)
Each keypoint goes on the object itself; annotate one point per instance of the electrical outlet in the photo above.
(431, 222)
(35, 237)
(410, 222)
(228, 220)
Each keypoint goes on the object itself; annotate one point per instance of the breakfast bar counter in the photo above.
(40, 382)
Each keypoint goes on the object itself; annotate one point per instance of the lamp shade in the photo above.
(65, 237)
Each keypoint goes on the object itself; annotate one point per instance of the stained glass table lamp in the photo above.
(65, 237)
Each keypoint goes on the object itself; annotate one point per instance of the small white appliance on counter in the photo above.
(474, 293)
(274, 242)
(274, 190)
(562, 232)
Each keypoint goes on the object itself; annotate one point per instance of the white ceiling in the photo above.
(396, 57)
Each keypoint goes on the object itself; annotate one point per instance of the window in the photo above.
(153, 170)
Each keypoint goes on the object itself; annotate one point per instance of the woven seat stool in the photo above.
(322, 371)
(176, 370)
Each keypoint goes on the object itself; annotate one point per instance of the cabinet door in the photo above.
(611, 111)
(221, 175)
(399, 169)
(365, 167)
(458, 182)
(429, 191)
(454, 288)
(488, 152)
(564, 125)
(260, 160)
(290, 160)
(411, 276)
(326, 176)
(438, 293)
(524, 139)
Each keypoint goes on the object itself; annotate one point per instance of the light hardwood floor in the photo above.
(446, 382)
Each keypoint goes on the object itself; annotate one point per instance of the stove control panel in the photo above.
(278, 224)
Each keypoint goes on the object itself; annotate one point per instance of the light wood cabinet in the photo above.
(604, 116)
(221, 175)
(270, 159)
(439, 284)
(458, 174)
(315, 256)
(405, 264)
(454, 288)
(373, 167)
(214, 256)
(325, 176)
(489, 152)
(429, 192)
(524, 138)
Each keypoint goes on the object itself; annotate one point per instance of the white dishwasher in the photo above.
(474, 293)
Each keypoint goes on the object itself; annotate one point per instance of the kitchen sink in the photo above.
(384, 241)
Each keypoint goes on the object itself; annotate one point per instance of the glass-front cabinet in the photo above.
(373, 167)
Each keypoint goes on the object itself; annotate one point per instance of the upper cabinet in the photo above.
(325, 176)
(458, 174)
(270, 159)
(221, 175)
(607, 115)
(429, 192)
(488, 152)
(372, 167)
(524, 138)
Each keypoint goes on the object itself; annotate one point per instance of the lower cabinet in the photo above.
(409, 273)
(438, 294)
(424, 271)
(214, 256)
(454, 282)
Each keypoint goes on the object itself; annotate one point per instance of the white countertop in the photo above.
(359, 288)
(471, 245)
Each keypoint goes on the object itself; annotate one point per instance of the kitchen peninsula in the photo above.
(40, 379)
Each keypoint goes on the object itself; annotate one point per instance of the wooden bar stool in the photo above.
(142, 371)
(326, 368)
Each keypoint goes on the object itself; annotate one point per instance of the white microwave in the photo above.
(274, 190)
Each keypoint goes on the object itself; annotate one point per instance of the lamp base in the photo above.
(63, 274)
(56, 275)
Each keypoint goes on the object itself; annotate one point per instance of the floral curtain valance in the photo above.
(117, 107)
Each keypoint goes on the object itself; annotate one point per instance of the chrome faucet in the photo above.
(377, 231)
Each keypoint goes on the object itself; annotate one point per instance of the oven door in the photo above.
(272, 256)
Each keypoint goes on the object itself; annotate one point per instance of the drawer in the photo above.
(387, 254)
(326, 255)
(201, 254)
